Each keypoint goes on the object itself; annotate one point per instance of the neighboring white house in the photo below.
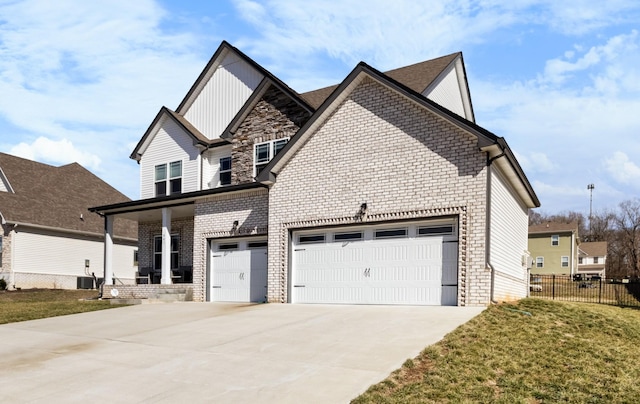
(49, 239)
(592, 258)
(379, 190)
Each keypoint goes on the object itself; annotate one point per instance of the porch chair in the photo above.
(143, 276)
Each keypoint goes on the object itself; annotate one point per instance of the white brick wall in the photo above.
(400, 159)
(214, 218)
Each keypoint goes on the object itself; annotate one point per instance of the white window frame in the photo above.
(271, 152)
(555, 240)
(539, 262)
(227, 171)
(169, 179)
(564, 261)
(580, 260)
(596, 260)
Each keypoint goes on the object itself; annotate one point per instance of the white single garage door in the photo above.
(238, 270)
(413, 263)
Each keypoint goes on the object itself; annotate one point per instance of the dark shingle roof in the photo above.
(56, 197)
(417, 77)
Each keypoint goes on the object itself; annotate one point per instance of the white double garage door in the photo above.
(408, 263)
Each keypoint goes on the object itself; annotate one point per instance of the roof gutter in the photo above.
(59, 229)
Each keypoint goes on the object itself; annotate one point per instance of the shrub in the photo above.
(3, 284)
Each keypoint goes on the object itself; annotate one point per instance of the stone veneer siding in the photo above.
(403, 161)
(275, 116)
(147, 231)
(214, 217)
(5, 262)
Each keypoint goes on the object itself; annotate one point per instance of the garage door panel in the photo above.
(238, 275)
(393, 270)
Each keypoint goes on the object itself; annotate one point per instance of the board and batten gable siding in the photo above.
(447, 93)
(211, 166)
(509, 221)
(404, 161)
(171, 143)
(223, 96)
(64, 254)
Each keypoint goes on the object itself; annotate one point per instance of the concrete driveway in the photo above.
(211, 352)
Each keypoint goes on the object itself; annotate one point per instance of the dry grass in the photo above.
(562, 352)
(32, 304)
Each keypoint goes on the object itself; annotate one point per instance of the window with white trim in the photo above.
(580, 259)
(264, 152)
(539, 262)
(168, 183)
(564, 261)
(157, 251)
(555, 240)
(595, 260)
(225, 171)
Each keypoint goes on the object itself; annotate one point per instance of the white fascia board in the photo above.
(6, 182)
(464, 90)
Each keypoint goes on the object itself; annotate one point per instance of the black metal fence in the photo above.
(618, 292)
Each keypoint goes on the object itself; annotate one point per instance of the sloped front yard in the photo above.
(531, 352)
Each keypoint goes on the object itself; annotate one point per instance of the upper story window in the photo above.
(555, 240)
(264, 152)
(225, 171)
(564, 261)
(595, 260)
(539, 262)
(168, 181)
(580, 260)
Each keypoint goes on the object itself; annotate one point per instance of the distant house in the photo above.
(379, 190)
(48, 237)
(592, 258)
(554, 248)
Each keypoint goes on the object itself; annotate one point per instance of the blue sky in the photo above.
(560, 80)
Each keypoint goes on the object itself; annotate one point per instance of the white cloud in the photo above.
(535, 162)
(55, 152)
(622, 169)
(557, 70)
(88, 77)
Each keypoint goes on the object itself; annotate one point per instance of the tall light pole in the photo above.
(590, 187)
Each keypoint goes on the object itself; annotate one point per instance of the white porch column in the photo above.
(108, 250)
(166, 246)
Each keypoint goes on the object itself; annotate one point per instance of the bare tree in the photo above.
(601, 227)
(628, 241)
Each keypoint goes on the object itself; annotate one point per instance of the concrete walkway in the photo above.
(219, 353)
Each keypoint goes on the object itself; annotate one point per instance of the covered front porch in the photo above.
(165, 243)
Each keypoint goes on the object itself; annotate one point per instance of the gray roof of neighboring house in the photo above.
(58, 197)
(417, 77)
(553, 227)
(594, 248)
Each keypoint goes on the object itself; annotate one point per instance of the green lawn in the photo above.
(561, 352)
(31, 304)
